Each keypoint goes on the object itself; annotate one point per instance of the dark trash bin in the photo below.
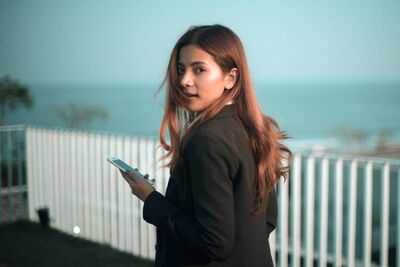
(44, 217)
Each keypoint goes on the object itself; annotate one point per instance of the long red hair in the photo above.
(263, 131)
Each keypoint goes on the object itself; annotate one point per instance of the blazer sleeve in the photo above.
(212, 228)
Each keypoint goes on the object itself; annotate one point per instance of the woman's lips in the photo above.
(191, 95)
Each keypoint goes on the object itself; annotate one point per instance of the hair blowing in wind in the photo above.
(272, 158)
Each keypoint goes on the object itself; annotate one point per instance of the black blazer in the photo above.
(205, 217)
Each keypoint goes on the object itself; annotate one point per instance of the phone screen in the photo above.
(122, 165)
(125, 167)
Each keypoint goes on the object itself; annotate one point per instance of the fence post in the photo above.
(20, 161)
(352, 214)
(296, 217)
(9, 178)
(367, 215)
(284, 221)
(338, 212)
(385, 180)
(324, 212)
(310, 212)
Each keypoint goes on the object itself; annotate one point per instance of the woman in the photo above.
(220, 204)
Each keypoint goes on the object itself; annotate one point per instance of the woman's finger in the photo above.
(130, 177)
(127, 176)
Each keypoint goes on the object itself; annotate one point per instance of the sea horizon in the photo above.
(307, 111)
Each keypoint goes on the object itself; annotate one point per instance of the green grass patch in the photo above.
(25, 243)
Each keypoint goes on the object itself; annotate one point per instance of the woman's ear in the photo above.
(230, 78)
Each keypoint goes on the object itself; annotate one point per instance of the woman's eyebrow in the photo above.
(193, 63)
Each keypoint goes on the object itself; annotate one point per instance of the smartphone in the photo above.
(125, 167)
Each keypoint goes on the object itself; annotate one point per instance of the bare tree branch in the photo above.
(79, 115)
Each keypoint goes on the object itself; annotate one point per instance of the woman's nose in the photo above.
(186, 79)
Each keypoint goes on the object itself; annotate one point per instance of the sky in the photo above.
(126, 41)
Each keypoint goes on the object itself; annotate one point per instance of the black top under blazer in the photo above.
(205, 217)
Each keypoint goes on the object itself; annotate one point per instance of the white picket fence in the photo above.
(332, 198)
(333, 209)
(68, 173)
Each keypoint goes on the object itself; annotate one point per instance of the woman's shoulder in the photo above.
(205, 134)
(215, 129)
(208, 142)
(221, 133)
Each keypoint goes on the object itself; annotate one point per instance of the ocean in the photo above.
(305, 111)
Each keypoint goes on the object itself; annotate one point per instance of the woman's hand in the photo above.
(139, 186)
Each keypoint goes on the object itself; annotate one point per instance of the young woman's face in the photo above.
(201, 78)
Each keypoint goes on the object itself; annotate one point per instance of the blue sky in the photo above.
(122, 42)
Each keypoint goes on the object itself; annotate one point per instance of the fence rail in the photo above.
(333, 209)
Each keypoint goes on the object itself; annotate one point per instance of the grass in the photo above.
(25, 243)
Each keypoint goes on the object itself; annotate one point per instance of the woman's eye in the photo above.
(181, 70)
(199, 70)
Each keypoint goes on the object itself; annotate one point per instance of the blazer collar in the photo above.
(227, 111)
